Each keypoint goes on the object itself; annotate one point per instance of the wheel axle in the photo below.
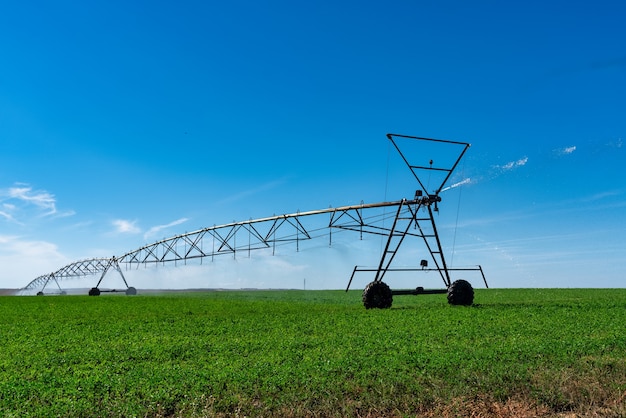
(377, 294)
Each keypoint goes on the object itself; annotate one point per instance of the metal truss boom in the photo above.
(77, 269)
(258, 234)
(237, 237)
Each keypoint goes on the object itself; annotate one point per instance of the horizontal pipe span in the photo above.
(477, 268)
(419, 291)
(278, 217)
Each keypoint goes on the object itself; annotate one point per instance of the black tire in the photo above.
(461, 292)
(131, 291)
(377, 295)
(94, 291)
(39, 293)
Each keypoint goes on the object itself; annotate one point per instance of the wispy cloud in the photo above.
(21, 201)
(247, 193)
(602, 195)
(123, 226)
(155, 229)
(40, 199)
(565, 150)
(513, 164)
(7, 216)
(618, 143)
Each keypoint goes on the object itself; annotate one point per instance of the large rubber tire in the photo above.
(94, 291)
(377, 295)
(131, 291)
(461, 292)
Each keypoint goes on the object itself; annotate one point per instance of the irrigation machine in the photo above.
(416, 218)
(431, 161)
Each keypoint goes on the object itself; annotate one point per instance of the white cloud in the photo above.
(602, 195)
(7, 216)
(41, 199)
(123, 226)
(514, 164)
(65, 214)
(24, 260)
(566, 150)
(19, 201)
(155, 229)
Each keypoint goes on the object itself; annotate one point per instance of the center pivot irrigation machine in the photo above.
(410, 220)
(431, 161)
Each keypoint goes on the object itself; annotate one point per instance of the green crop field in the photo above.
(517, 353)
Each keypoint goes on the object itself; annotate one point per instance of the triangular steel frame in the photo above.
(113, 263)
(407, 217)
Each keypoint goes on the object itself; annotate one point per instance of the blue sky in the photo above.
(122, 123)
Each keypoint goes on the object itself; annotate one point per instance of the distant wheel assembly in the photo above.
(461, 292)
(130, 291)
(377, 295)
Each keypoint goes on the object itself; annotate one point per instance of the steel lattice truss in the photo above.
(77, 269)
(256, 234)
(242, 237)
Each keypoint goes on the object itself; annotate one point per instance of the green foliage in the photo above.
(310, 353)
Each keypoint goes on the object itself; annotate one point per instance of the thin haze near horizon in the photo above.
(125, 123)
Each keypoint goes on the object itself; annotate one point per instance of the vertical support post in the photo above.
(360, 213)
(46, 282)
(104, 272)
(439, 251)
(57, 282)
(483, 274)
(119, 270)
(382, 268)
(330, 231)
(274, 240)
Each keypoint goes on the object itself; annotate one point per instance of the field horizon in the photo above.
(79, 291)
